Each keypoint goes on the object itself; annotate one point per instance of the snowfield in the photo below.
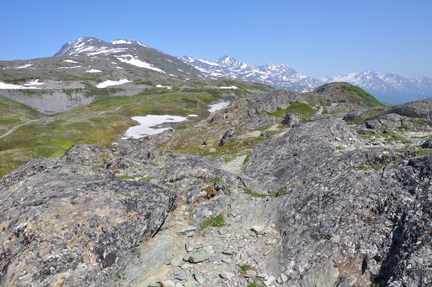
(129, 59)
(112, 83)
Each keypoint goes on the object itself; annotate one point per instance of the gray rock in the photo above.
(186, 230)
(84, 206)
(190, 245)
(320, 117)
(199, 278)
(226, 275)
(197, 257)
(417, 109)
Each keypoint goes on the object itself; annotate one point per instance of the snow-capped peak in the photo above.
(124, 41)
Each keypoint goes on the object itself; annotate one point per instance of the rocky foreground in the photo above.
(316, 202)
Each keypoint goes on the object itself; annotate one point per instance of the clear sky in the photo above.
(316, 38)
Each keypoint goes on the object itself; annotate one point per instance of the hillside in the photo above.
(268, 190)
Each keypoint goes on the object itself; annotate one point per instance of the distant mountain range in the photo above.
(91, 61)
(388, 88)
(278, 76)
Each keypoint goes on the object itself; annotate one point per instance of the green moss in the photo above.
(146, 179)
(254, 194)
(215, 221)
(126, 177)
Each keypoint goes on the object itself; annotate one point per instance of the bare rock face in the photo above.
(276, 99)
(64, 223)
(417, 109)
(344, 218)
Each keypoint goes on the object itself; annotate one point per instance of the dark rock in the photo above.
(292, 119)
(427, 143)
(351, 116)
(226, 137)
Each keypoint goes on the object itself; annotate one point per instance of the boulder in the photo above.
(73, 224)
(293, 119)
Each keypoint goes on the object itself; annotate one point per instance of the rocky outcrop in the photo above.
(279, 98)
(340, 216)
(293, 119)
(71, 224)
(417, 109)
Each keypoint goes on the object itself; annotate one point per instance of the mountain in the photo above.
(93, 61)
(388, 88)
(278, 76)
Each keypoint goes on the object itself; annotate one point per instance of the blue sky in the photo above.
(316, 38)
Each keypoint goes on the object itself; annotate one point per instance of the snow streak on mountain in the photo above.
(388, 88)
(278, 76)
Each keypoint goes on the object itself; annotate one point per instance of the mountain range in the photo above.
(91, 61)
(388, 88)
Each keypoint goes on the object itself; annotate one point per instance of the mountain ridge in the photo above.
(389, 88)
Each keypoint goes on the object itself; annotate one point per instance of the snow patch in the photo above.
(160, 86)
(112, 83)
(231, 88)
(5, 86)
(70, 61)
(218, 106)
(33, 83)
(25, 66)
(150, 125)
(129, 59)
(93, 71)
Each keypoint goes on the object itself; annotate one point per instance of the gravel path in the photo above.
(15, 128)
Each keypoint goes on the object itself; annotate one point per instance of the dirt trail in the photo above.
(15, 128)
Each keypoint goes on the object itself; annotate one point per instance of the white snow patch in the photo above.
(112, 83)
(150, 125)
(5, 86)
(119, 68)
(192, 115)
(218, 106)
(114, 63)
(232, 88)
(121, 42)
(70, 61)
(25, 66)
(33, 83)
(93, 71)
(160, 86)
(129, 59)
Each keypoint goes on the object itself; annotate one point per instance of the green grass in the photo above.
(295, 107)
(281, 191)
(4, 122)
(146, 179)
(358, 94)
(126, 177)
(214, 221)
(254, 194)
